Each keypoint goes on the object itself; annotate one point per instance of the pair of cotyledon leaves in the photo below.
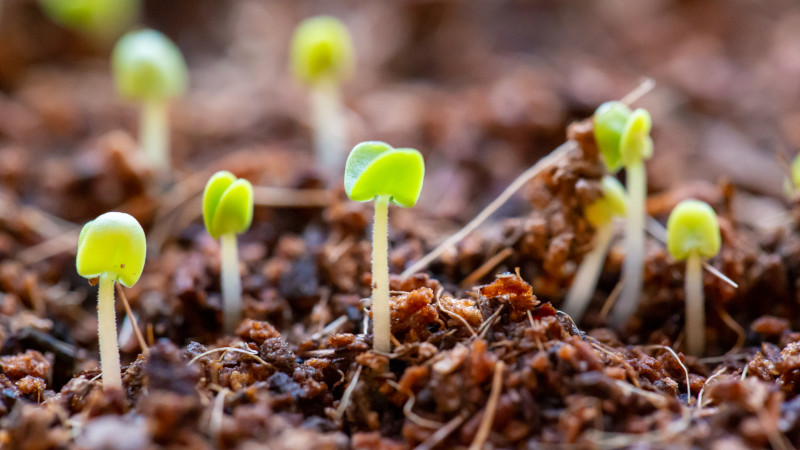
(622, 135)
(227, 204)
(375, 168)
(113, 244)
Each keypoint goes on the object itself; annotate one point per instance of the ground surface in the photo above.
(483, 90)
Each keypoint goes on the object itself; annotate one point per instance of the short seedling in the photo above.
(601, 215)
(791, 185)
(111, 247)
(623, 138)
(376, 171)
(149, 68)
(227, 211)
(100, 19)
(322, 57)
(693, 234)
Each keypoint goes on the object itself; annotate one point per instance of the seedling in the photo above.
(322, 57)
(228, 211)
(693, 234)
(601, 215)
(111, 248)
(376, 171)
(100, 19)
(623, 138)
(149, 68)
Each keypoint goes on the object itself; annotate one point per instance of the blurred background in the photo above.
(483, 89)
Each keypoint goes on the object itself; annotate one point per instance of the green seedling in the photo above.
(149, 68)
(228, 211)
(111, 248)
(376, 171)
(623, 137)
(100, 19)
(322, 57)
(601, 215)
(692, 235)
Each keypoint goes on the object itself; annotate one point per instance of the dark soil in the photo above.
(484, 90)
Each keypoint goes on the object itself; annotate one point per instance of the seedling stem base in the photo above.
(636, 183)
(107, 333)
(231, 282)
(585, 281)
(695, 323)
(381, 318)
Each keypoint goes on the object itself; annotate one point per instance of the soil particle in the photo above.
(256, 331)
(276, 352)
(412, 315)
(167, 370)
(512, 290)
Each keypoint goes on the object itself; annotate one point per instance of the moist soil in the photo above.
(482, 357)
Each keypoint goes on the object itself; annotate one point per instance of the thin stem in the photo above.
(381, 317)
(154, 135)
(330, 132)
(695, 323)
(231, 282)
(583, 286)
(633, 267)
(107, 333)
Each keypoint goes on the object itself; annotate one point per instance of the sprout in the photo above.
(101, 19)
(111, 247)
(623, 138)
(149, 68)
(227, 211)
(693, 234)
(322, 57)
(375, 170)
(601, 215)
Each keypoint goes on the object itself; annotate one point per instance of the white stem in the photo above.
(330, 133)
(107, 333)
(231, 282)
(695, 322)
(632, 269)
(583, 286)
(154, 135)
(381, 316)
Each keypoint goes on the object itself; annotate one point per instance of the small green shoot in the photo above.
(322, 57)
(693, 234)
(623, 138)
(228, 211)
(99, 19)
(377, 171)
(113, 248)
(601, 215)
(149, 68)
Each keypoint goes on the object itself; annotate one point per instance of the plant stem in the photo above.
(583, 286)
(636, 181)
(329, 130)
(231, 282)
(154, 135)
(695, 322)
(381, 316)
(107, 333)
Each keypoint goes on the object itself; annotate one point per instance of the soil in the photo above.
(482, 357)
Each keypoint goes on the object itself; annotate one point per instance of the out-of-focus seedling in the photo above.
(149, 68)
(791, 185)
(623, 137)
(99, 19)
(322, 57)
(601, 215)
(228, 211)
(376, 171)
(693, 234)
(111, 248)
